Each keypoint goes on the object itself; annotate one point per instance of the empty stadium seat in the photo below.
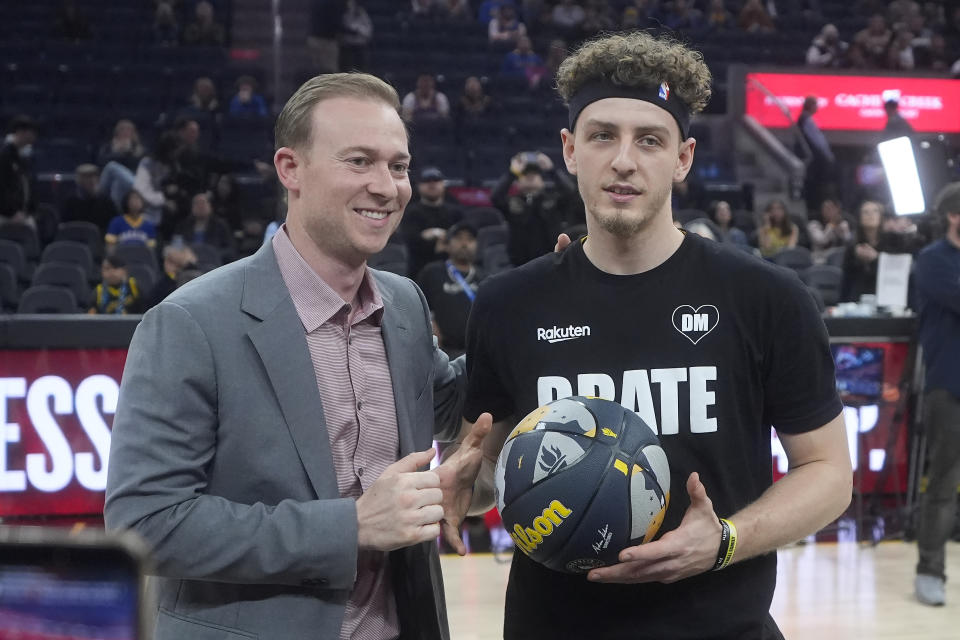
(84, 232)
(135, 252)
(72, 253)
(66, 275)
(827, 280)
(48, 299)
(9, 289)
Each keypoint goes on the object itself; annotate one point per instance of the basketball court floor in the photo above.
(825, 591)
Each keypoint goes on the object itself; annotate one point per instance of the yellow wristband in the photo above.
(728, 544)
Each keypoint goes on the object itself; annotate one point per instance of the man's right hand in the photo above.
(402, 508)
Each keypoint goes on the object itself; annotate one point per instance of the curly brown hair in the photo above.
(637, 59)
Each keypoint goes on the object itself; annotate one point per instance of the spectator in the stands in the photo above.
(153, 176)
(860, 259)
(821, 164)
(896, 125)
(422, 7)
(754, 18)
(166, 29)
(71, 23)
(176, 259)
(247, 102)
(425, 102)
(777, 231)
(203, 227)
(718, 18)
(455, 10)
(451, 285)
(204, 30)
(599, 17)
(16, 177)
(356, 31)
(829, 230)
(87, 204)
(426, 221)
(124, 146)
(118, 293)
(827, 49)
(523, 62)
(874, 41)
(226, 201)
(204, 96)
(936, 57)
(474, 101)
(488, 9)
(640, 14)
(899, 11)
(505, 28)
(683, 16)
(556, 54)
(535, 214)
(568, 17)
(900, 54)
(323, 41)
(722, 216)
(131, 227)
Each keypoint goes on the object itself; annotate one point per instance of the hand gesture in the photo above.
(402, 507)
(688, 550)
(563, 241)
(457, 476)
(516, 164)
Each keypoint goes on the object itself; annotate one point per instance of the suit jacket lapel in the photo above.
(396, 339)
(280, 341)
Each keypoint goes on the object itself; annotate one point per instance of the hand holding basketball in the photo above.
(457, 474)
(686, 551)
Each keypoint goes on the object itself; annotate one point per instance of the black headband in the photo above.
(660, 96)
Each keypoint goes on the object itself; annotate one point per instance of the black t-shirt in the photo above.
(711, 348)
(448, 301)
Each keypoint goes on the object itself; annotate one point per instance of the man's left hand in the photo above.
(457, 476)
(563, 241)
(686, 551)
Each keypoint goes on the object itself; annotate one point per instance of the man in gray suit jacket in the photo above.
(271, 456)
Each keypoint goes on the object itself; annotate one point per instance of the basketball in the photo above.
(579, 480)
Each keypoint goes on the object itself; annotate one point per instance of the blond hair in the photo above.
(293, 128)
(637, 59)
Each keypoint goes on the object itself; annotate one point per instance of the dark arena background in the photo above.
(175, 100)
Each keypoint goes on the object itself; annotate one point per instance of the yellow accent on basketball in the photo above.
(657, 520)
(609, 432)
(529, 423)
(621, 466)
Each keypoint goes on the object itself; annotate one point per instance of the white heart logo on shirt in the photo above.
(695, 324)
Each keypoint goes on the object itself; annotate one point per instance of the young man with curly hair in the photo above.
(710, 346)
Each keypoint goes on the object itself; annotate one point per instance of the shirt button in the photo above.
(360, 471)
(359, 406)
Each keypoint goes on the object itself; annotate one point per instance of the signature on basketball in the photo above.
(604, 541)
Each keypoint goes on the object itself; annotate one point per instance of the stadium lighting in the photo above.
(900, 166)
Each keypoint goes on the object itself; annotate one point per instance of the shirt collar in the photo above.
(315, 301)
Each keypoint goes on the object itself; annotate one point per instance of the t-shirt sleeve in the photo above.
(485, 388)
(800, 388)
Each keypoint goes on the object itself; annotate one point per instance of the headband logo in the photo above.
(664, 91)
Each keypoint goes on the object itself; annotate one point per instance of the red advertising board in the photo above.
(57, 406)
(56, 412)
(854, 103)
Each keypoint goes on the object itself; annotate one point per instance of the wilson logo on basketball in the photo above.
(527, 540)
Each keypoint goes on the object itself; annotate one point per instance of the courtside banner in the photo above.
(56, 412)
(854, 103)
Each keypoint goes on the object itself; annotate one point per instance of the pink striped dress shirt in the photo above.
(350, 362)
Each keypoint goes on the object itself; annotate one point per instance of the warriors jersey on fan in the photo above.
(710, 349)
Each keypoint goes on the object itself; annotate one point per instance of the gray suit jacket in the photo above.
(221, 461)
